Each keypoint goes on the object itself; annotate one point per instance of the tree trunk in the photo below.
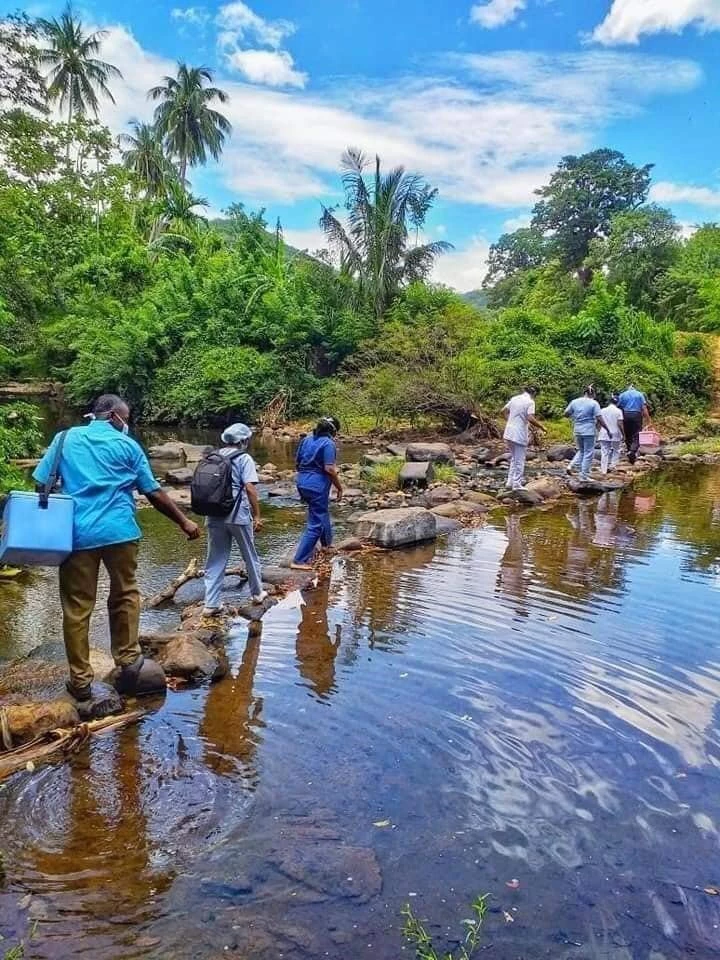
(183, 168)
(585, 275)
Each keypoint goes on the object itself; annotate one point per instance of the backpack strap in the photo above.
(49, 484)
(232, 457)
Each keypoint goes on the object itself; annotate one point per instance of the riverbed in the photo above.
(526, 709)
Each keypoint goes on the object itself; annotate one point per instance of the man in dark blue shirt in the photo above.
(635, 411)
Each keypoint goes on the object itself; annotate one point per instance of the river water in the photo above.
(527, 709)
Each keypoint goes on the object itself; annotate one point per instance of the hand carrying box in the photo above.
(37, 528)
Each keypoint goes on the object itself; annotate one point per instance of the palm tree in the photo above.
(144, 156)
(376, 247)
(184, 118)
(76, 76)
(178, 223)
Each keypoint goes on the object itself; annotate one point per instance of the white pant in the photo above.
(220, 540)
(609, 454)
(516, 470)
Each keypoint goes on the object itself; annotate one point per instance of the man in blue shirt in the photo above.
(100, 467)
(635, 410)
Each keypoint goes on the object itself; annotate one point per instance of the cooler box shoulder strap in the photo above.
(49, 485)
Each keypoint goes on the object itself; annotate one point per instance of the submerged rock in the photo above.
(398, 527)
(335, 870)
(435, 452)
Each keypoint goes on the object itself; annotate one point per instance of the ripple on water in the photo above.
(536, 698)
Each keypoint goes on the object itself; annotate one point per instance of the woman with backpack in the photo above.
(316, 474)
(224, 490)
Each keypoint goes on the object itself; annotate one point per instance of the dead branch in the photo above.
(62, 742)
(193, 571)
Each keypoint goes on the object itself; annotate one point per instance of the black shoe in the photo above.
(81, 694)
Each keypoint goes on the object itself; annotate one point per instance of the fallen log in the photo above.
(193, 571)
(63, 742)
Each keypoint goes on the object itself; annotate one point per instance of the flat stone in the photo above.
(397, 527)
(189, 659)
(353, 493)
(477, 496)
(442, 494)
(459, 508)
(417, 474)
(525, 496)
(29, 720)
(560, 451)
(376, 459)
(654, 451)
(195, 452)
(280, 576)
(591, 488)
(180, 476)
(397, 450)
(481, 454)
(435, 452)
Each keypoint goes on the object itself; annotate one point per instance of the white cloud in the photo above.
(496, 13)
(310, 239)
(239, 26)
(665, 192)
(687, 230)
(500, 122)
(629, 20)
(197, 16)
(274, 68)
(245, 24)
(465, 269)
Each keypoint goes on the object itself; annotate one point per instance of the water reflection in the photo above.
(537, 698)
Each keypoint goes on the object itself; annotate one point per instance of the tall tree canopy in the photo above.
(21, 84)
(583, 196)
(521, 250)
(143, 155)
(184, 117)
(376, 248)
(76, 74)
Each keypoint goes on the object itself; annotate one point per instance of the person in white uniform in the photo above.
(239, 526)
(611, 443)
(520, 413)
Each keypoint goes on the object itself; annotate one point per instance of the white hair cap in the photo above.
(237, 433)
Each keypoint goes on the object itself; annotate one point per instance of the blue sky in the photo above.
(482, 99)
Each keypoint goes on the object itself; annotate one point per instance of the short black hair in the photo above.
(532, 389)
(327, 427)
(107, 404)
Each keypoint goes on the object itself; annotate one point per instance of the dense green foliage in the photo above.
(19, 437)
(112, 279)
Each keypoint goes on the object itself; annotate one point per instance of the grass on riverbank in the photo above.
(698, 447)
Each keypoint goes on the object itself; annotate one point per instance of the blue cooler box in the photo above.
(32, 536)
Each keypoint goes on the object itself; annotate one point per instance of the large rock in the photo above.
(397, 450)
(592, 488)
(547, 487)
(397, 528)
(180, 476)
(560, 451)
(459, 508)
(418, 474)
(435, 452)
(477, 496)
(195, 452)
(283, 490)
(190, 659)
(171, 450)
(527, 497)
(104, 702)
(29, 720)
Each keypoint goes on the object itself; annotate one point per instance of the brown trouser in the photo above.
(78, 592)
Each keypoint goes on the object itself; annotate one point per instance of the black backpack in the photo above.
(211, 488)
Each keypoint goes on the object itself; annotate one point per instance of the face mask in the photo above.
(124, 429)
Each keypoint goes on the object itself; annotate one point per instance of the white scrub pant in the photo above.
(609, 454)
(516, 470)
(220, 540)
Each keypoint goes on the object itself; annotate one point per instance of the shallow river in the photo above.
(528, 709)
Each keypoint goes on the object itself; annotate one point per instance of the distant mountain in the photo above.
(478, 298)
